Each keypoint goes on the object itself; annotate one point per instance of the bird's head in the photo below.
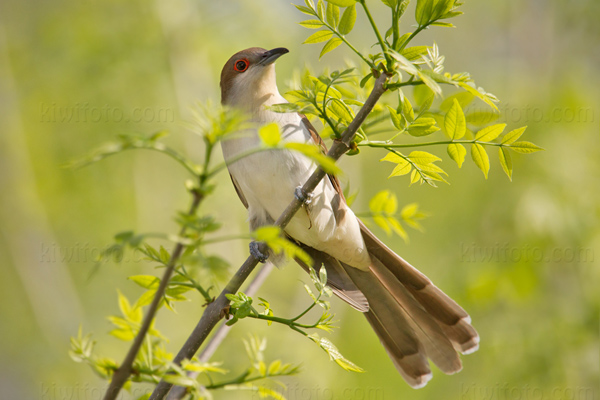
(248, 77)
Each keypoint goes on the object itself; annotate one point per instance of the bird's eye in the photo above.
(241, 65)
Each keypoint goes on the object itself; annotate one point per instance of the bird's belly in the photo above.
(268, 179)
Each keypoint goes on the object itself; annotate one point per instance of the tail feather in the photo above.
(387, 295)
(413, 319)
(337, 279)
(452, 318)
(414, 368)
(435, 341)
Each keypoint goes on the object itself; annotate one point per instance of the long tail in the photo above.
(413, 319)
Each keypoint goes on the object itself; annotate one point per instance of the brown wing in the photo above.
(338, 202)
(315, 136)
(239, 191)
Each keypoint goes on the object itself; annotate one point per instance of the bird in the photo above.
(413, 319)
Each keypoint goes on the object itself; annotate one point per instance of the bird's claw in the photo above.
(256, 253)
(300, 194)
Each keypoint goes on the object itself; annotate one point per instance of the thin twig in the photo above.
(221, 333)
(214, 311)
(126, 368)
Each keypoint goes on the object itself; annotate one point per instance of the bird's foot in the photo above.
(300, 194)
(256, 253)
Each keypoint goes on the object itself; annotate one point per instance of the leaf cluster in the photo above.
(241, 307)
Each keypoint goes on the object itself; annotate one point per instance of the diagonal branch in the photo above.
(126, 368)
(178, 392)
(214, 311)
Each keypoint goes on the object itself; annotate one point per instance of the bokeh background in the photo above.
(521, 257)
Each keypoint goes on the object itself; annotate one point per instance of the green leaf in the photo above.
(423, 97)
(392, 157)
(407, 110)
(426, 104)
(424, 11)
(405, 64)
(188, 365)
(342, 3)
(315, 153)
(513, 136)
(525, 147)
(334, 353)
(457, 152)
(427, 78)
(348, 19)
(463, 98)
(477, 93)
(164, 255)
(423, 127)
(401, 41)
(285, 107)
(443, 24)
(318, 37)
(124, 237)
(270, 134)
(124, 305)
(402, 168)
(442, 7)
(490, 133)
(452, 14)
(122, 334)
(333, 14)
(414, 53)
(145, 299)
(180, 380)
(480, 158)
(332, 44)
(146, 281)
(410, 214)
(506, 161)
(414, 177)
(274, 367)
(271, 235)
(482, 117)
(455, 123)
(423, 157)
(397, 120)
(305, 10)
(390, 3)
(311, 24)
(364, 80)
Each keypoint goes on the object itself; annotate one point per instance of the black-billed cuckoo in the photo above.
(413, 319)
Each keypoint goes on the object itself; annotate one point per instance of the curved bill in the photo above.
(270, 56)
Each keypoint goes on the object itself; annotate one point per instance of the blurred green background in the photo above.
(521, 257)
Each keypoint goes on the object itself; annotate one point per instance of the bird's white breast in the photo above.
(268, 179)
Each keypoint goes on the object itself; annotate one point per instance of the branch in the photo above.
(221, 333)
(213, 312)
(382, 42)
(125, 369)
(389, 144)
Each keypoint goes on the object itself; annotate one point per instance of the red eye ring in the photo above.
(241, 65)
